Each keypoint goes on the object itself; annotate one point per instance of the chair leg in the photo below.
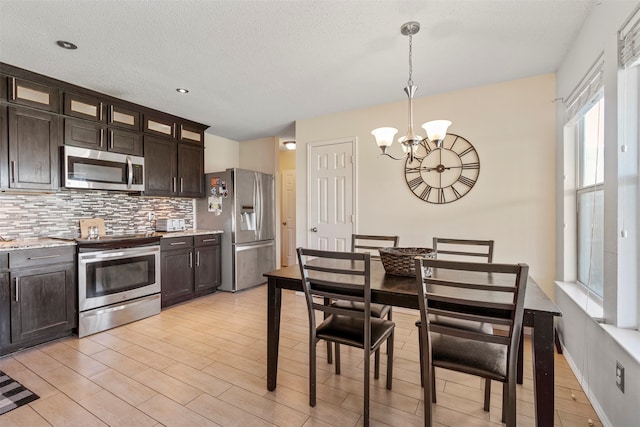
(487, 393)
(376, 365)
(421, 362)
(337, 359)
(389, 361)
(510, 390)
(428, 391)
(329, 353)
(433, 384)
(505, 402)
(367, 374)
(312, 372)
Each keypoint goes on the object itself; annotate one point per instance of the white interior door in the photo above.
(288, 226)
(331, 177)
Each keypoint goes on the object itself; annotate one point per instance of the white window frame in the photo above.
(595, 258)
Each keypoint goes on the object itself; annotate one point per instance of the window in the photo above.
(590, 197)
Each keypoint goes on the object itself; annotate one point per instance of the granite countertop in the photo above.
(45, 242)
(187, 233)
(34, 243)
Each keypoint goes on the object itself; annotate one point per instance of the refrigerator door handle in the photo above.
(250, 247)
(259, 207)
(256, 203)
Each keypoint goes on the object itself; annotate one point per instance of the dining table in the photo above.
(402, 291)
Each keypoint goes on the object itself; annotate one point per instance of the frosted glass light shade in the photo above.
(436, 129)
(290, 145)
(384, 136)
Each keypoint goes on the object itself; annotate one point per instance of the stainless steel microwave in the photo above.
(102, 170)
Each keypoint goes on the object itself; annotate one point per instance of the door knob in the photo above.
(284, 223)
(314, 229)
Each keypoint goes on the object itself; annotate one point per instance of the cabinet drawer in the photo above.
(24, 92)
(176, 243)
(206, 240)
(42, 256)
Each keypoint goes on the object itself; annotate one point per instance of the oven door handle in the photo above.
(111, 255)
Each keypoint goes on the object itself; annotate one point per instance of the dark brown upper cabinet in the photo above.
(161, 125)
(172, 127)
(123, 117)
(38, 114)
(189, 133)
(83, 107)
(190, 171)
(35, 95)
(97, 136)
(173, 169)
(34, 141)
(3, 87)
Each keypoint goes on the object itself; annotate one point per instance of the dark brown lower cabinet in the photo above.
(38, 297)
(190, 267)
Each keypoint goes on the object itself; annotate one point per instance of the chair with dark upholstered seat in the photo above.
(481, 294)
(462, 249)
(343, 276)
(367, 243)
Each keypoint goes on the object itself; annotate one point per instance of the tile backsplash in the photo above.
(42, 215)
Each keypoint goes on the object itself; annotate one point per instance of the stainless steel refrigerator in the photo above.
(241, 203)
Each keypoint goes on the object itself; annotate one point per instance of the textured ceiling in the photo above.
(254, 67)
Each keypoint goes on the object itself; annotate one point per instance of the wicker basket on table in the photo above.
(401, 261)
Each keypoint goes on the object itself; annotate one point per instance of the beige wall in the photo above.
(220, 153)
(260, 155)
(511, 125)
(287, 159)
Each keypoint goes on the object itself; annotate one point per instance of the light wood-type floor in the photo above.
(203, 363)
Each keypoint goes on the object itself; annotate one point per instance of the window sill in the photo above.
(589, 304)
(627, 339)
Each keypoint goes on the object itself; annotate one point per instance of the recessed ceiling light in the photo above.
(66, 45)
(182, 90)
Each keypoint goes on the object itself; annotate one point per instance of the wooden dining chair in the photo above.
(367, 243)
(343, 276)
(482, 293)
(463, 250)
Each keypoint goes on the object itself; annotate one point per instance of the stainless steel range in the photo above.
(118, 281)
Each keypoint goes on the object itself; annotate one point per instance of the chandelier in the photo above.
(436, 129)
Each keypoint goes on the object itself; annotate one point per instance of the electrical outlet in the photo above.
(151, 216)
(620, 376)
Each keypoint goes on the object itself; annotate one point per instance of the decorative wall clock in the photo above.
(444, 173)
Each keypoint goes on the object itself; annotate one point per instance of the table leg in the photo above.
(543, 369)
(274, 302)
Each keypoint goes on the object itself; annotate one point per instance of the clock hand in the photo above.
(429, 169)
